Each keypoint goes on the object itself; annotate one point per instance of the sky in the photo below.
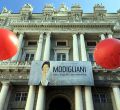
(87, 5)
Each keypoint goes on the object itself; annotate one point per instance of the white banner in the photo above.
(58, 73)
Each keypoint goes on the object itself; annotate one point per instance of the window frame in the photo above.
(99, 98)
(61, 56)
(91, 41)
(32, 41)
(29, 58)
(61, 51)
(90, 52)
(27, 52)
(21, 97)
(61, 41)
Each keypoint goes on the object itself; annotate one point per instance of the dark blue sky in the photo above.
(87, 5)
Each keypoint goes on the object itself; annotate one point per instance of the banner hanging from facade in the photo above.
(60, 73)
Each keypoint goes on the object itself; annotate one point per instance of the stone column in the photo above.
(75, 48)
(41, 98)
(102, 36)
(20, 41)
(78, 98)
(30, 98)
(88, 94)
(110, 36)
(47, 48)
(116, 92)
(83, 48)
(88, 99)
(41, 93)
(3, 94)
(39, 48)
(31, 94)
(78, 92)
(113, 100)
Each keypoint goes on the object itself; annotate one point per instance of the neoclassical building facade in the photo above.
(58, 35)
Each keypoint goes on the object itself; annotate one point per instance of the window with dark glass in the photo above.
(61, 43)
(61, 57)
(100, 98)
(29, 56)
(91, 58)
(21, 96)
(32, 43)
(91, 43)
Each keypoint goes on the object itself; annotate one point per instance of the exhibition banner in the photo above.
(61, 73)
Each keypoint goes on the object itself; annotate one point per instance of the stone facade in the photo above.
(39, 36)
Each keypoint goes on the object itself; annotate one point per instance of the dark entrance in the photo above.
(59, 103)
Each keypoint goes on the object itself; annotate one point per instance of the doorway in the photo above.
(60, 103)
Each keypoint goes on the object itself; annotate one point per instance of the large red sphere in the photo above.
(107, 53)
(8, 44)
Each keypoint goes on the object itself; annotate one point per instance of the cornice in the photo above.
(62, 25)
(66, 22)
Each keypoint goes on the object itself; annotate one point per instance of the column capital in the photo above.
(115, 86)
(74, 34)
(48, 33)
(102, 36)
(6, 82)
(41, 33)
(110, 33)
(81, 33)
(20, 33)
(102, 33)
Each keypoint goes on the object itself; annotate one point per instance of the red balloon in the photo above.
(8, 44)
(107, 53)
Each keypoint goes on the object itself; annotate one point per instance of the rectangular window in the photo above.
(62, 43)
(100, 98)
(91, 43)
(29, 57)
(61, 57)
(90, 57)
(21, 96)
(32, 43)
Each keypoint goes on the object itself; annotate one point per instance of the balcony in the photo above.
(27, 65)
(15, 65)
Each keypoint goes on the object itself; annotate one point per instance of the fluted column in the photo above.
(3, 94)
(88, 98)
(83, 48)
(47, 48)
(78, 92)
(116, 92)
(39, 48)
(41, 93)
(20, 41)
(41, 98)
(30, 98)
(102, 36)
(110, 36)
(78, 98)
(88, 93)
(75, 48)
(32, 88)
(113, 101)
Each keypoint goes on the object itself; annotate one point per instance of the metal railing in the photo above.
(14, 64)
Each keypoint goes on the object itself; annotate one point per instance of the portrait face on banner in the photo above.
(39, 73)
(45, 69)
(60, 73)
